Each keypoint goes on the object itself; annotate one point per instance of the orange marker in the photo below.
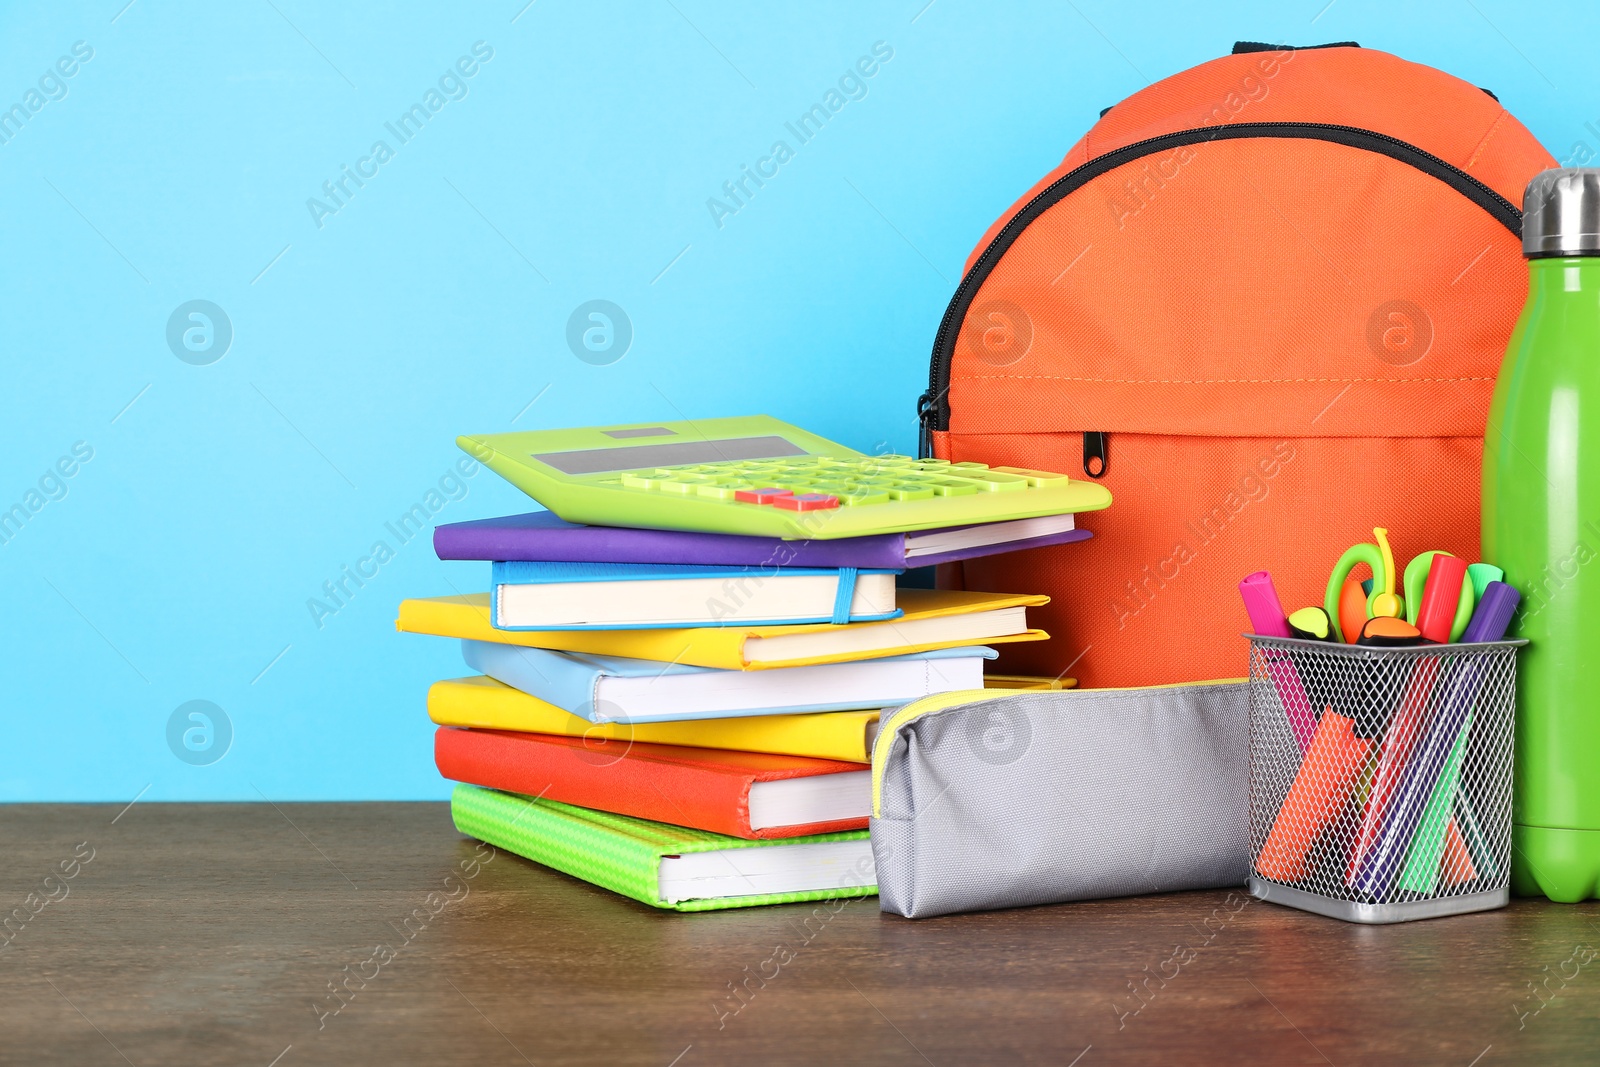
(1455, 865)
(1321, 787)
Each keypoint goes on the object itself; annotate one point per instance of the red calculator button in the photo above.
(807, 502)
(762, 496)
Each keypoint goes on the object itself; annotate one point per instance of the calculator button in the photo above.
(910, 492)
(1036, 478)
(974, 466)
(953, 487)
(863, 496)
(683, 484)
(641, 481)
(715, 491)
(991, 482)
(807, 502)
(760, 496)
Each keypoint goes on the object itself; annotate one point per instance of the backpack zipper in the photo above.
(1096, 454)
(933, 406)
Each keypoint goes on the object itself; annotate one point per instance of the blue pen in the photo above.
(1489, 623)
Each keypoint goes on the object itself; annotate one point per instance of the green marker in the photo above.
(1421, 871)
(1482, 574)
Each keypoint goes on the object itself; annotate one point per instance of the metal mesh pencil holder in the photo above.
(1380, 778)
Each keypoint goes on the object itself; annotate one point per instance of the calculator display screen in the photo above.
(605, 460)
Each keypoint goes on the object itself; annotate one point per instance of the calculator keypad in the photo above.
(821, 483)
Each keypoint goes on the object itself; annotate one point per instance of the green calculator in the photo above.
(756, 475)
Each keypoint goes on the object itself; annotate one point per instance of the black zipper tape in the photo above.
(933, 407)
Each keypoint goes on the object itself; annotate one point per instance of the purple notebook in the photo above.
(541, 536)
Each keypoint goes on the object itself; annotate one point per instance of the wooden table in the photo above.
(213, 933)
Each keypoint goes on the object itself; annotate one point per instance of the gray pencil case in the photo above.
(999, 799)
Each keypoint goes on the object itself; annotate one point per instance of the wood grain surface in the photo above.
(215, 934)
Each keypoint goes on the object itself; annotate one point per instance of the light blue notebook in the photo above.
(614, 689)
(636, 596)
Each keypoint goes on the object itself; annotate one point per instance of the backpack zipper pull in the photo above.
(925, 425)
(1096, 453)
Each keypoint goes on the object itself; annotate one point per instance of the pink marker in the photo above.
(1267, 617)
(1268, 620)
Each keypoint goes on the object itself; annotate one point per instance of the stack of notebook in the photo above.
(687, 718)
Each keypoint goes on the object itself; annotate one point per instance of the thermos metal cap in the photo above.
(1561, 213)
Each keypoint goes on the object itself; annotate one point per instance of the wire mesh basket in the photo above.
(1380, 778)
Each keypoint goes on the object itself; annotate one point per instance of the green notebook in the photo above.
(667, 866)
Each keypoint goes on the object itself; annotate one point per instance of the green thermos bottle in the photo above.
(1541, 524)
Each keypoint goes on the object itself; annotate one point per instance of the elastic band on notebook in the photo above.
(844, 596)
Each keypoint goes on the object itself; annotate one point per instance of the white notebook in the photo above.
(617, 689)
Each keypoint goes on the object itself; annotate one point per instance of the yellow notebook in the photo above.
(934, 618)
(486, 704)
(1038, 683)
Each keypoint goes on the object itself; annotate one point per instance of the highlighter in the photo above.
(1311, 624)
(1383, 631)
(1401, 736)
(1267, 620)
(1416, 579)
(1352, 608)
(1320, 788)
(1479, 851)
(1492, 617)
(1421, 871)
(1447, 592)
(1319, 676)
(1482, 574)
(1261, 601)
(1455, 865)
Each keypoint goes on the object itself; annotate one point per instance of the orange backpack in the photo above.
(1264, 302)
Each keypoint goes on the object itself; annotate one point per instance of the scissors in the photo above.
(1383, 602)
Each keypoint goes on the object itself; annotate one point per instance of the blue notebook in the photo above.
(529, 595)
(615, 689)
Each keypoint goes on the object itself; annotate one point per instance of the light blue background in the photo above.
(178, 565)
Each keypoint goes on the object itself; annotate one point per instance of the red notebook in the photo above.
(744, 794)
